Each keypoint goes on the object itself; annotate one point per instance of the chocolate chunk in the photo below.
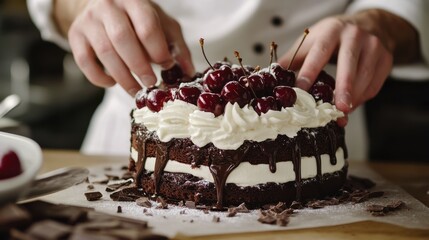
(90, 187)
(124, 168)
(190, 204)
(93, 196)
(266, 218)
(380, 210)
(12, 215)
(296, 205)
(119, 210)
(129, 194)
(48, 229)
(231, 212)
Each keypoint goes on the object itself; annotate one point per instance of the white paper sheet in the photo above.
(193, 222)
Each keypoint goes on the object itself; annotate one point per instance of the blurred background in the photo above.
(56, 100)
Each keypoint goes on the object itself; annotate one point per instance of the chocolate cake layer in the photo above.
(311, 142)
(185, 187)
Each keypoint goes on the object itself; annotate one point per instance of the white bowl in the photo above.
(30, 155)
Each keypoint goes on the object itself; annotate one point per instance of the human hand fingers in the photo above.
(315, 52)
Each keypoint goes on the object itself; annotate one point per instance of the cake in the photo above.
(237, 134)
(237, 151)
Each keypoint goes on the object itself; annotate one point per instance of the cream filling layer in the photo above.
(246, 174)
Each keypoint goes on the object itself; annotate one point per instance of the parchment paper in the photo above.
(192, 222)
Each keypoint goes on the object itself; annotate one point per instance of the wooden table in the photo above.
(414, 178)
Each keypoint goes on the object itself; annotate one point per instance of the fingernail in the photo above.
(344, 102)
(147, 80)
(133, 91)
(303, 83)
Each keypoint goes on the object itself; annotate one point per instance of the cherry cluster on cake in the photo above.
(267, 89)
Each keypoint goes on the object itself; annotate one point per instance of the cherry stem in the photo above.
(240, 60)
(204, 54)
(299, 46)
(273, 52)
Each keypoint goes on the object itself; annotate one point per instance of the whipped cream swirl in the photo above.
(179, 119)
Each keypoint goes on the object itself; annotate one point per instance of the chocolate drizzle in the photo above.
(221, 166)
(162, 157)
(333, 146)
(296, 159)
(317, 156)
(141, 159)
(313, 142)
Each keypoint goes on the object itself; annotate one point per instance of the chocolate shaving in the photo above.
(129, 194)
(119, 210)
(52, 221)
(162, 204)
(143, 202)
(271, 217)
(296, 205)
(232, 212)
(93, 196)
(382, 210)
(116, 186)
(90, 187)
(242, 208)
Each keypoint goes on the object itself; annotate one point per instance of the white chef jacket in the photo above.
(248, 26)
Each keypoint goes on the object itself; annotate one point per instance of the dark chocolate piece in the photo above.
(93, 196)
(12, 215)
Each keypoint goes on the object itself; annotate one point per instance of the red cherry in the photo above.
(263, 105)
(211, 102)
(285, 96)
(270, 82)
(155, 99)
(325, 78)
(141, 96)
(173, 75)
(234, 92)
(253, 84)
(216, 79)
(284, 77)
(10, 165)
(188, 94)
(321, 91)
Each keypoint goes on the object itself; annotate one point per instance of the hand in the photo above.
(362, 67)
(123, 36)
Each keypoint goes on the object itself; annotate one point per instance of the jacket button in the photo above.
(258, 48)
(277, 21)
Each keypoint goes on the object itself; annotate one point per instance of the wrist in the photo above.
(65, 12)
(396, 34)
